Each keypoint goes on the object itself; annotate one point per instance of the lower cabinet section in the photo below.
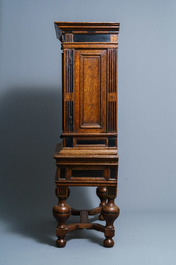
(105, 173)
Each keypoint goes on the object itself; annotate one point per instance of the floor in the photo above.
(141, 239)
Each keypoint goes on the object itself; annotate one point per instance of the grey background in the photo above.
(30, 126)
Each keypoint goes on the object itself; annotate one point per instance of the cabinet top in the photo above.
(87, 24)
(86, 27)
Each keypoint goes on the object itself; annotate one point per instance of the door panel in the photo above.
(90, 90)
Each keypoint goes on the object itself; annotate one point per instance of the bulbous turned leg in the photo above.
(110, 212)
(102, 194)
(61, 212)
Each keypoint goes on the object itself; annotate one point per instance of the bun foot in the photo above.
(60, 243)
(108, 243)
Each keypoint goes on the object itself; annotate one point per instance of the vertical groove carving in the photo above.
(112, 116)
(66, 72)
(109, 71)
(115, 69)
(61, 191)
(112, 70)
(69, 71)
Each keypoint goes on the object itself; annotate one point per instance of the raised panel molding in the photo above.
(91, 90)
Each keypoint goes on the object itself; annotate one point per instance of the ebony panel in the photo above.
(62, 172)
(112, 126)
(91, 37)
(91, 142)
(88, 173)
(112, 142)
(113, 173)
(69, 141)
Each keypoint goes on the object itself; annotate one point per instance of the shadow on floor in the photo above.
(30, 128)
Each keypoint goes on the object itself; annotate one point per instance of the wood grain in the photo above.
(88, 153)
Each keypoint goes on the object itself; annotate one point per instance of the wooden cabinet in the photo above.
(88, 155)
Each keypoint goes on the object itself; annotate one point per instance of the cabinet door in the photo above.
(90, 91)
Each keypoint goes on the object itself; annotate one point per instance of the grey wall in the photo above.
(30, 103)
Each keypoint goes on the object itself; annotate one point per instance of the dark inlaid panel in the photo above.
(69, 141)
(91, 37)
(88, 173)
(113, 173)
(91, 142)
(112, 112)
(112, 142)
(62, 172)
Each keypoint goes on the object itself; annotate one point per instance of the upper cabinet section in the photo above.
(75, 34)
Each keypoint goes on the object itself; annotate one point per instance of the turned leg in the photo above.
(110, 213)
(61, 212)
(102, 194)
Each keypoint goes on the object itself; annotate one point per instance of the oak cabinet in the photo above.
(88, 154)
